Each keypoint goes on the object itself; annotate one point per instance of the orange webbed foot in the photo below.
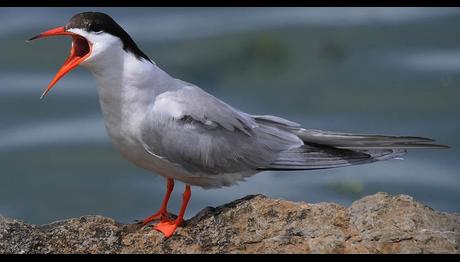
(155, 217)
(166, 227)
(162, 214)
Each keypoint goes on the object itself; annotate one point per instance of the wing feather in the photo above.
(206, 136)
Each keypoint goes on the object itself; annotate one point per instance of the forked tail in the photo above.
(325, 149)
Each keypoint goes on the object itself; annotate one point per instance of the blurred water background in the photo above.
(373, 70)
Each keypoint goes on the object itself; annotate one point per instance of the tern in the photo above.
(178, 131)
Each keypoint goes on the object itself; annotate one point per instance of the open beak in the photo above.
(81, 49)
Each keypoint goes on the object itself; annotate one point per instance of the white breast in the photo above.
(125, 100)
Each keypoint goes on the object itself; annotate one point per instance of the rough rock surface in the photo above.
(378, 223)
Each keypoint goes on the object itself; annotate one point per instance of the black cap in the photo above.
(100, 22)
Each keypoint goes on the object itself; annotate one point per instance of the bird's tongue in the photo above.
(80, 50)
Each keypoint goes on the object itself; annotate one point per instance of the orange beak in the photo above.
(81, 49)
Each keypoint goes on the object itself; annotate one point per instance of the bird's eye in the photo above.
(96, 28)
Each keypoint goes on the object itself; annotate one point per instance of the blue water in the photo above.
(374, 70)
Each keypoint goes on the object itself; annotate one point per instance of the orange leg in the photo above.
(163, 212)
(168, 227)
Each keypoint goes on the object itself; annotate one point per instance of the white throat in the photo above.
(127, 86)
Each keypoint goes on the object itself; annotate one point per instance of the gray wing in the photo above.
(204, 135)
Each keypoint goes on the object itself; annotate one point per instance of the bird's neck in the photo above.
(127, 86)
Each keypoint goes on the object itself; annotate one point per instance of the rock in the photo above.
(378, 223)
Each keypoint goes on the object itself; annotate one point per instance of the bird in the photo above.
(180, 132)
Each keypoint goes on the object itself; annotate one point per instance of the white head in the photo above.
(97, 41)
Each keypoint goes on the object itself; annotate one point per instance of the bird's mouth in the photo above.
(79, 52)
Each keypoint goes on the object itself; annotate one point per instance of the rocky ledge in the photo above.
(378, 223)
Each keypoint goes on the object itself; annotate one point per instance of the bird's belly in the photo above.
(127, 142)
(133, 151)
(138, 155)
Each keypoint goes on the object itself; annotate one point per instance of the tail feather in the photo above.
(364, 141)
(310, 157)
(324, 149)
